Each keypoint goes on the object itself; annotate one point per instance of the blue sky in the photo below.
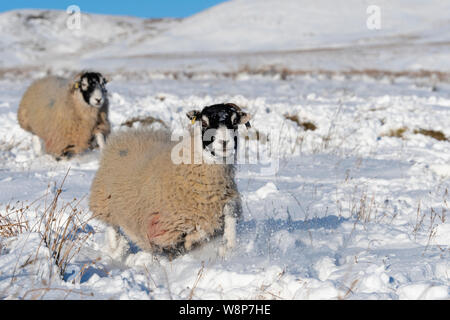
(142, 8)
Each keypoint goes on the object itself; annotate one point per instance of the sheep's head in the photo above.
(91, 85)
(220, 124)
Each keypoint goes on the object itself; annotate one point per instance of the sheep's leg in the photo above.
(116, 243)
(38, 146)
(194, 237)
(229, 234)
(100, 139)
(231, 212)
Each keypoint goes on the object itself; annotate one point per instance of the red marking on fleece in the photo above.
(154, 228)
(48, 144)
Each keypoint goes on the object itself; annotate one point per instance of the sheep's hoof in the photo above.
(38, 146)
(117, 244)
(194, 238)
(225, 249)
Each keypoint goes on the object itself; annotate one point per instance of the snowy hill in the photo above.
(273, 25)
(36, 37)
(298, 35)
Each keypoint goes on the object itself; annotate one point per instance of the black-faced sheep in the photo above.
(68, 116)
(164, 201)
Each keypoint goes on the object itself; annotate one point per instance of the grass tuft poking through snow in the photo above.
(63, 229)
(438, 135)
(306, 125)
(13, 220)
(59, 231)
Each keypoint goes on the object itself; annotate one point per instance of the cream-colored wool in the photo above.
(54, 110)
(157, 203)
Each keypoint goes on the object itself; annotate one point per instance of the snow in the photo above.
(347, 211)
(292, 24)
(332, 216)
(442, 236)
(423, 291)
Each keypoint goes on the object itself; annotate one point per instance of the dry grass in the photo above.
(396, 133)
(13, 220)
(39, 293)
(62, 229)
(427, 220)
(350, 290)
(399, 133)
(255, 135)
(145, 121)
(7, 146)
(438, 135)
(284, 73)
(197, 280)
(306, 125)
(62, 226)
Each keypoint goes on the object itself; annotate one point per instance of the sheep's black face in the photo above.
(92, 87)
(220, 128)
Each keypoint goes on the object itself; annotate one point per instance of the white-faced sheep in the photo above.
(162, 204)
(68, 116)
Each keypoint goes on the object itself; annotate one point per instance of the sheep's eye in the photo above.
(204, 123)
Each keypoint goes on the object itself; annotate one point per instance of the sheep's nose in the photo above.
(98, 100)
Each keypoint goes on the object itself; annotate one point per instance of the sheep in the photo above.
(161, 203)
(67, 116)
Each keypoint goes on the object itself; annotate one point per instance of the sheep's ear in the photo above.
(193, 115)
(76, 84)
(106, 79)
(245, 119)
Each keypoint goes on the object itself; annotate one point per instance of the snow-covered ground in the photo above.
(353, 211)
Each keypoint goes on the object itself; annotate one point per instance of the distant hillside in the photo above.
(31, 37)
(297, 35)
(274, 25)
